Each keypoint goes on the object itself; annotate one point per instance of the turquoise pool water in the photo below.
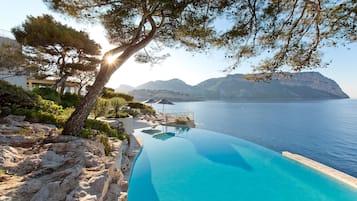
(199, 165)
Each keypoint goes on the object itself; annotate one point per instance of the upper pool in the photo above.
(193, 165)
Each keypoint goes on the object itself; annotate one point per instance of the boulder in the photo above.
(30, 164)
(51, 160)
(50, 192)
(47, 129)
(19, 140)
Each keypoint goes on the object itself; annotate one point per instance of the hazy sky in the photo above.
(183, 65)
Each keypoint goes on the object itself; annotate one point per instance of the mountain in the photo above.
(305, 85)
(124, 88)
(171, 85)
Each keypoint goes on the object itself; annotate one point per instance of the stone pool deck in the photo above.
(336, 174)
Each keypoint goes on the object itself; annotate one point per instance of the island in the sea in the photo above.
(295, 86)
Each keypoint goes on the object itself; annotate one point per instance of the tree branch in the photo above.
(115, 50)
(149, 37)
(285, 49)
(286, 22)
(317, 32)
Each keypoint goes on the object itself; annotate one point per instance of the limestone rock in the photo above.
(125, 163)
(124, 185)
(32, 186)
(51, 160)
(26, 166)
(50, 192)
(123, 196)
(14, 118)
(8, 154)
(44, 128)
(113, 192)
(42, 165)
(18, 140)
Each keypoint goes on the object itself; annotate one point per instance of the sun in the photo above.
(111, 59)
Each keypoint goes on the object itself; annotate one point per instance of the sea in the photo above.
(323, 130)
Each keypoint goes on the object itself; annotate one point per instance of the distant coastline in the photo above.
(294, 87)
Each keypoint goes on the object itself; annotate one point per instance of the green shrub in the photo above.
(49, 106)
(124, 136)
(23, 111)
(48, 118)
(86, 133)
(98, 125)
(70, 100)
(101, 108)
(114, 133)
(121, 114)
(116, 104)
(126, 97)
(105, 141)
(67, 112)
(34, 115)
(137, 108)
(105, 128)
(132, 112)
(14, 100)
(48, 94)
(106, 92)
(110, 93)
(13, 97)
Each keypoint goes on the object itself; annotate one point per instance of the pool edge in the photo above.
(329, 171)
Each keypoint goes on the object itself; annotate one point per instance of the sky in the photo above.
(187, 66)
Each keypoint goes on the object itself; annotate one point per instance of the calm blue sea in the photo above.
(325, 130)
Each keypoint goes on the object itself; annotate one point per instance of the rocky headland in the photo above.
(39, 164)
(290, 86)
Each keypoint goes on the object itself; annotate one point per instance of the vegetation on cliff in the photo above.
(45, 105)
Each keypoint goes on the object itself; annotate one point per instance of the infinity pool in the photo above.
(198, 165)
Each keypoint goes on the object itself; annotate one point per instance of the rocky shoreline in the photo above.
(36, 163)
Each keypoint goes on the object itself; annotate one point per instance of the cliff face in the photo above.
(307, 85)
(316, 81)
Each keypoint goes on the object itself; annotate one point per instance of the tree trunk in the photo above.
(63, 86)
(61, 82)
(75, 123)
